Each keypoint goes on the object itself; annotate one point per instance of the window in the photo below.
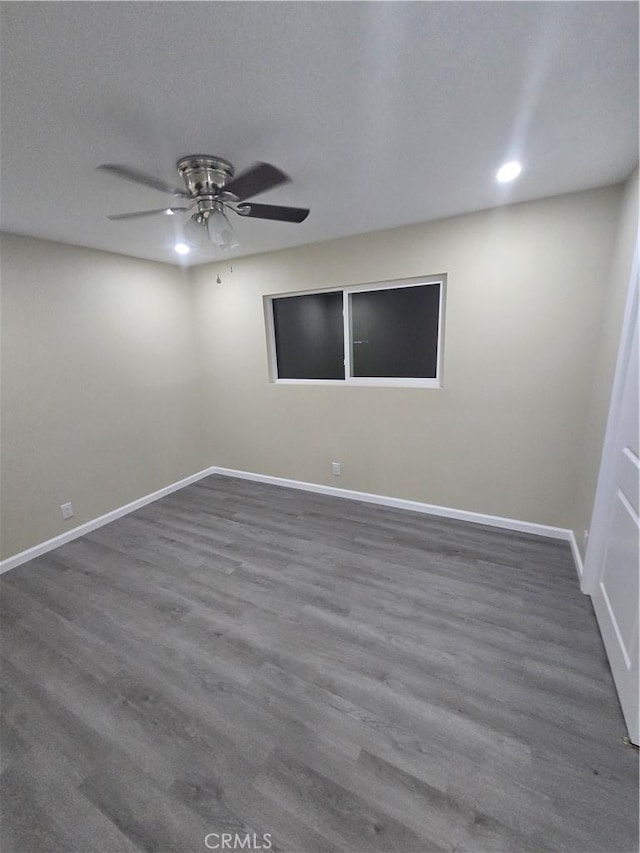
(309, 336)
(389, 333)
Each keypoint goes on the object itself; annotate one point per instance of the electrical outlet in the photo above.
(335, 468)
(67, 510)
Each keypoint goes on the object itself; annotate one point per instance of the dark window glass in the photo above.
(395, 332)
(309, 336)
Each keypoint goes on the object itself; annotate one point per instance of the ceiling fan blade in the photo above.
(139, 213)
(138, 177)
(259, 178)
(273, 211)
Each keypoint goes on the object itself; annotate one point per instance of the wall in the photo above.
(526, 288)
(615, 288)
(99, 385)
(122, 376)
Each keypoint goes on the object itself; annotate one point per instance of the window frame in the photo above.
(349, 379)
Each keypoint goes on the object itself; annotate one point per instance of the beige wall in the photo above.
(99, 385)
(122, 376)
(616, 285)
(526, 289)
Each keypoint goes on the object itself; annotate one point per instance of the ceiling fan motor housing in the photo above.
(204, 176)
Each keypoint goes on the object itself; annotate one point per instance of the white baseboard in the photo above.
(348, 494)
(417, 506)
(577, 556)
(402, 503)
(82, 529)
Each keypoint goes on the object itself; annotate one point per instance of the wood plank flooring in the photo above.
(327, 675)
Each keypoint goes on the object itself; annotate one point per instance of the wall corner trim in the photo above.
(348, 494)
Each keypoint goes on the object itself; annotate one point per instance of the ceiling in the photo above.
(382, 113)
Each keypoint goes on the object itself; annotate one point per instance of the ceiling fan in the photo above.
(211, 188)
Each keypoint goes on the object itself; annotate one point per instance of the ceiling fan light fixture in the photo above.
(195, 231)
(219, 229)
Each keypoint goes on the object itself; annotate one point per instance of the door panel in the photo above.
(620, 591)
(616, 527)
(627, 478)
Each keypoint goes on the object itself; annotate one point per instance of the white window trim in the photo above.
(349, 380)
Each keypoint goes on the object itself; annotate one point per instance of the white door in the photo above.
(612, 567)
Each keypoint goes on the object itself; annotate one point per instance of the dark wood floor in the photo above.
(243, 658)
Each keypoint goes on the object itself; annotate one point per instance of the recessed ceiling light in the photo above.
(508, 172)
(181, 248)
